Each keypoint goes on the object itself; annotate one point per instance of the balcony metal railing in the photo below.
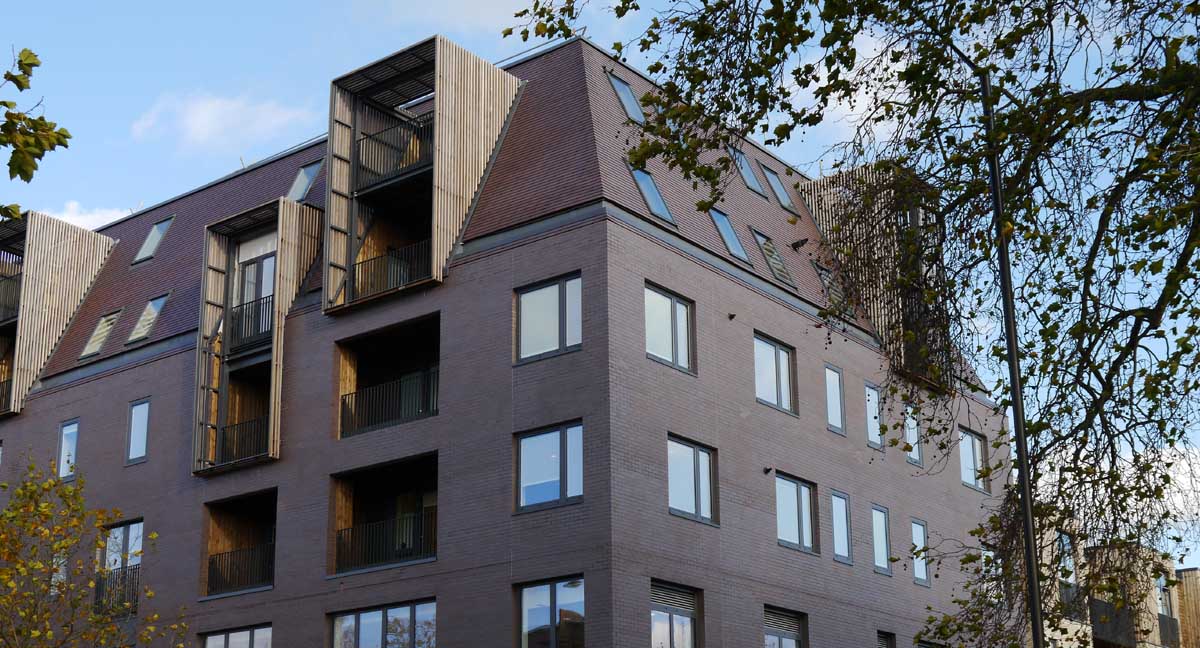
(1168, 631)
(1075, 605)
(411, 536)
(241, 569)
(5, 395)
(396, 269)
(251, 323)
(117, 591)
(240, 441)
(1112, 625)
(10, 296)
(390, 152)
(411, 397)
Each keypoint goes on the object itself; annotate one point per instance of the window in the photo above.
(257, 277)
(794, 504)
(153, 238)
(881, 539)
(833, 400)
(99, 334)
(139, 427)
(912, 435)
(1066, 558)
(747, 171)
(668, 328)
(885, 640)
(920, 567)
(123, 546)
(834, 293)
(250, 638)
(629, 100)
(550, 464)
(1164, 597)
(549, 318)
(784, 629)
(674, 616)
(841, 528)
(410, 625)
(971, 458)
(772, 373)
(654, 199)
(304, 180)
(68, 440)
(145, 323)
(778, 188)
(874, 437)
(552, 615)
(725, 229)
(774, 260)
(690, 479)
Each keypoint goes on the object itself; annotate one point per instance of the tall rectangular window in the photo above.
(772, 373)
(123, 546)
(552, 615)
(549, 318)
(747, 171)
(725, 229)
(304, 180)
(774, 259)
(67, 443)
(99, 334)
(920, 566)
(247, 638)
(971, 449)
(881, 539)
(669, 328)
(690, 479)
(834, 416)
(654, 199)
(874, 436)
(912, 435)
(153, 238)
(778, 188)
(139, 429)
(629, 100)
(550, 467)
(674, 616)
(408, 625)
(784, 629)
(794, 504)
(146, 321)
(842, 549)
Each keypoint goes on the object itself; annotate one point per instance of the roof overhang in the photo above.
(396, 79)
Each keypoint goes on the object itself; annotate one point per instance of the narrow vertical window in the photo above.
(629, 100)
(874, 437)
(550, 467)
(549, 318)
(971, 458)
(552, 614)
(668, 328)
(747, 171)
(725, 229)
(153, 238)
(912, 435)
(833, 400)
(920, 566)
(139, 429)
(650, 193)
(774, 259)
(146, 321)
(68, 441)
(778, 188)
(841, 527)
(794, 513)
(881, 539)
(772, 373)
(690, 478)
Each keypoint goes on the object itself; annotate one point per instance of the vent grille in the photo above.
(780, 621)
(671, 596)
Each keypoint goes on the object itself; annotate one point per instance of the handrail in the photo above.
(241, 569)
(251, 322)
(412, 396)
(117, 591)
(407, 537)
(6, 395)
(242, 440)
(396, 269)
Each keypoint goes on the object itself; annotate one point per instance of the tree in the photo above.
(29, 136)
(1097, 104)
(57, 589)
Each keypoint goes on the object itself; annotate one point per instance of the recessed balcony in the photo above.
(386, 515)
(389, 377)
(240, 545)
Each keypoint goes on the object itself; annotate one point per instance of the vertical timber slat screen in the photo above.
(217, 248)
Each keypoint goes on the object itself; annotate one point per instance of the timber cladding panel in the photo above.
(1187, 593)
(217, 249)
(61, 262)
(337, 232)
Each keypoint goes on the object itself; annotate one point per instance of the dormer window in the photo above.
(304, 181)
(153, 239)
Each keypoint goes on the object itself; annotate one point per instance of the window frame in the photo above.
(116, 318)
(59, 455)
(383, 609)
(790, 205)
(675, 300)
(668, 218)
(919, 459)
(841, 394)
(308, 185)
(847, 559)
(979, 455)
(126, 554)
(740, 253)
(872, 387)
(791, 355)
(801, 638)
(564, 499)
(561, 281)
(613, 80)
(813, 516)
(696, 449)
(913, 524)
(780, 272)
(736, 154)
(225, 634)
(129, 461)
(166, 298)
(696, 616)
(137, 257)
(887, 540)
(553, 585)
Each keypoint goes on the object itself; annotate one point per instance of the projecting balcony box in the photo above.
(254, 264)
(410, 137)
(385, 515)
(46, 269)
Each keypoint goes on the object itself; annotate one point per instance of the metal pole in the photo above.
(1033, 599)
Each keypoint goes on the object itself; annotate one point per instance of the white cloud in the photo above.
(206, 122)
(74, 213)
(447, 15)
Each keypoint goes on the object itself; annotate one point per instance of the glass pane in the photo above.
(806, 516)
(370, 629)
(918, 540)
(99, 335)
(879, 535)
(574, 313)
(787, 507)
(217, 641)
(706, 488)
(765, 374)
(535, 617)
(841, 527)
(114, 548)
(539, 468)
(681, 477)
(629, 100)
(134, 532)
(873, 433)
(146, 322)
(153, 238)
(660, 629)
(771, 641)
(66, 456)
(568, 598)
(343, 631)
(268, 277)
(743, 165)
(658, 325)
(399, 628)
(683, 345)
(727, 234)
(139, 422)
(912, 433)
(778, 187)
(303, 181)
(262, 638)
(684, 636)
(787, 642)
(539, 321)
(249, 282)
(833, 398)
(978, 457)
(426, 623)
(239, 639)
(654, 200)
(574, 460)
(785, 378)
(966, 457)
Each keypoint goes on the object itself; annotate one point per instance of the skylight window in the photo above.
(654, 199)
(728, 235)
(150, 245)
(780, 190)
(633, 107)
(100, 334)
(834, 291)
(146, 322)
(747, 171)
(304, 180)
(774, 260)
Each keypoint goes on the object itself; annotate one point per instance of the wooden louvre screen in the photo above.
(781, 621)
(674, 597)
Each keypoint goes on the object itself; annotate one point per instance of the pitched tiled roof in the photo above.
(177, 264)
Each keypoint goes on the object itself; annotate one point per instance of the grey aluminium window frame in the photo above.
(383, 609)
(667, 217)
(791, 361)
(982, 484)
(129, 461)
(841, 378)
(728, 235)
(563, 467)
(847, 559)
(696, 615)
(747, 171)
(59, 449)
(800, 636)
(910, 413)
(784, 198)
(552, 600)
(138, 256)
(913, 523)
(677, 299)
(563, 347)
(887, 540)
(166, 298)
(697, 486)
(614, 80)
(869, 386)
(813, 510)
(224, 634)
(84, 354)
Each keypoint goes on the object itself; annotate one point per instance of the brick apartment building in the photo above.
(458, 371)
